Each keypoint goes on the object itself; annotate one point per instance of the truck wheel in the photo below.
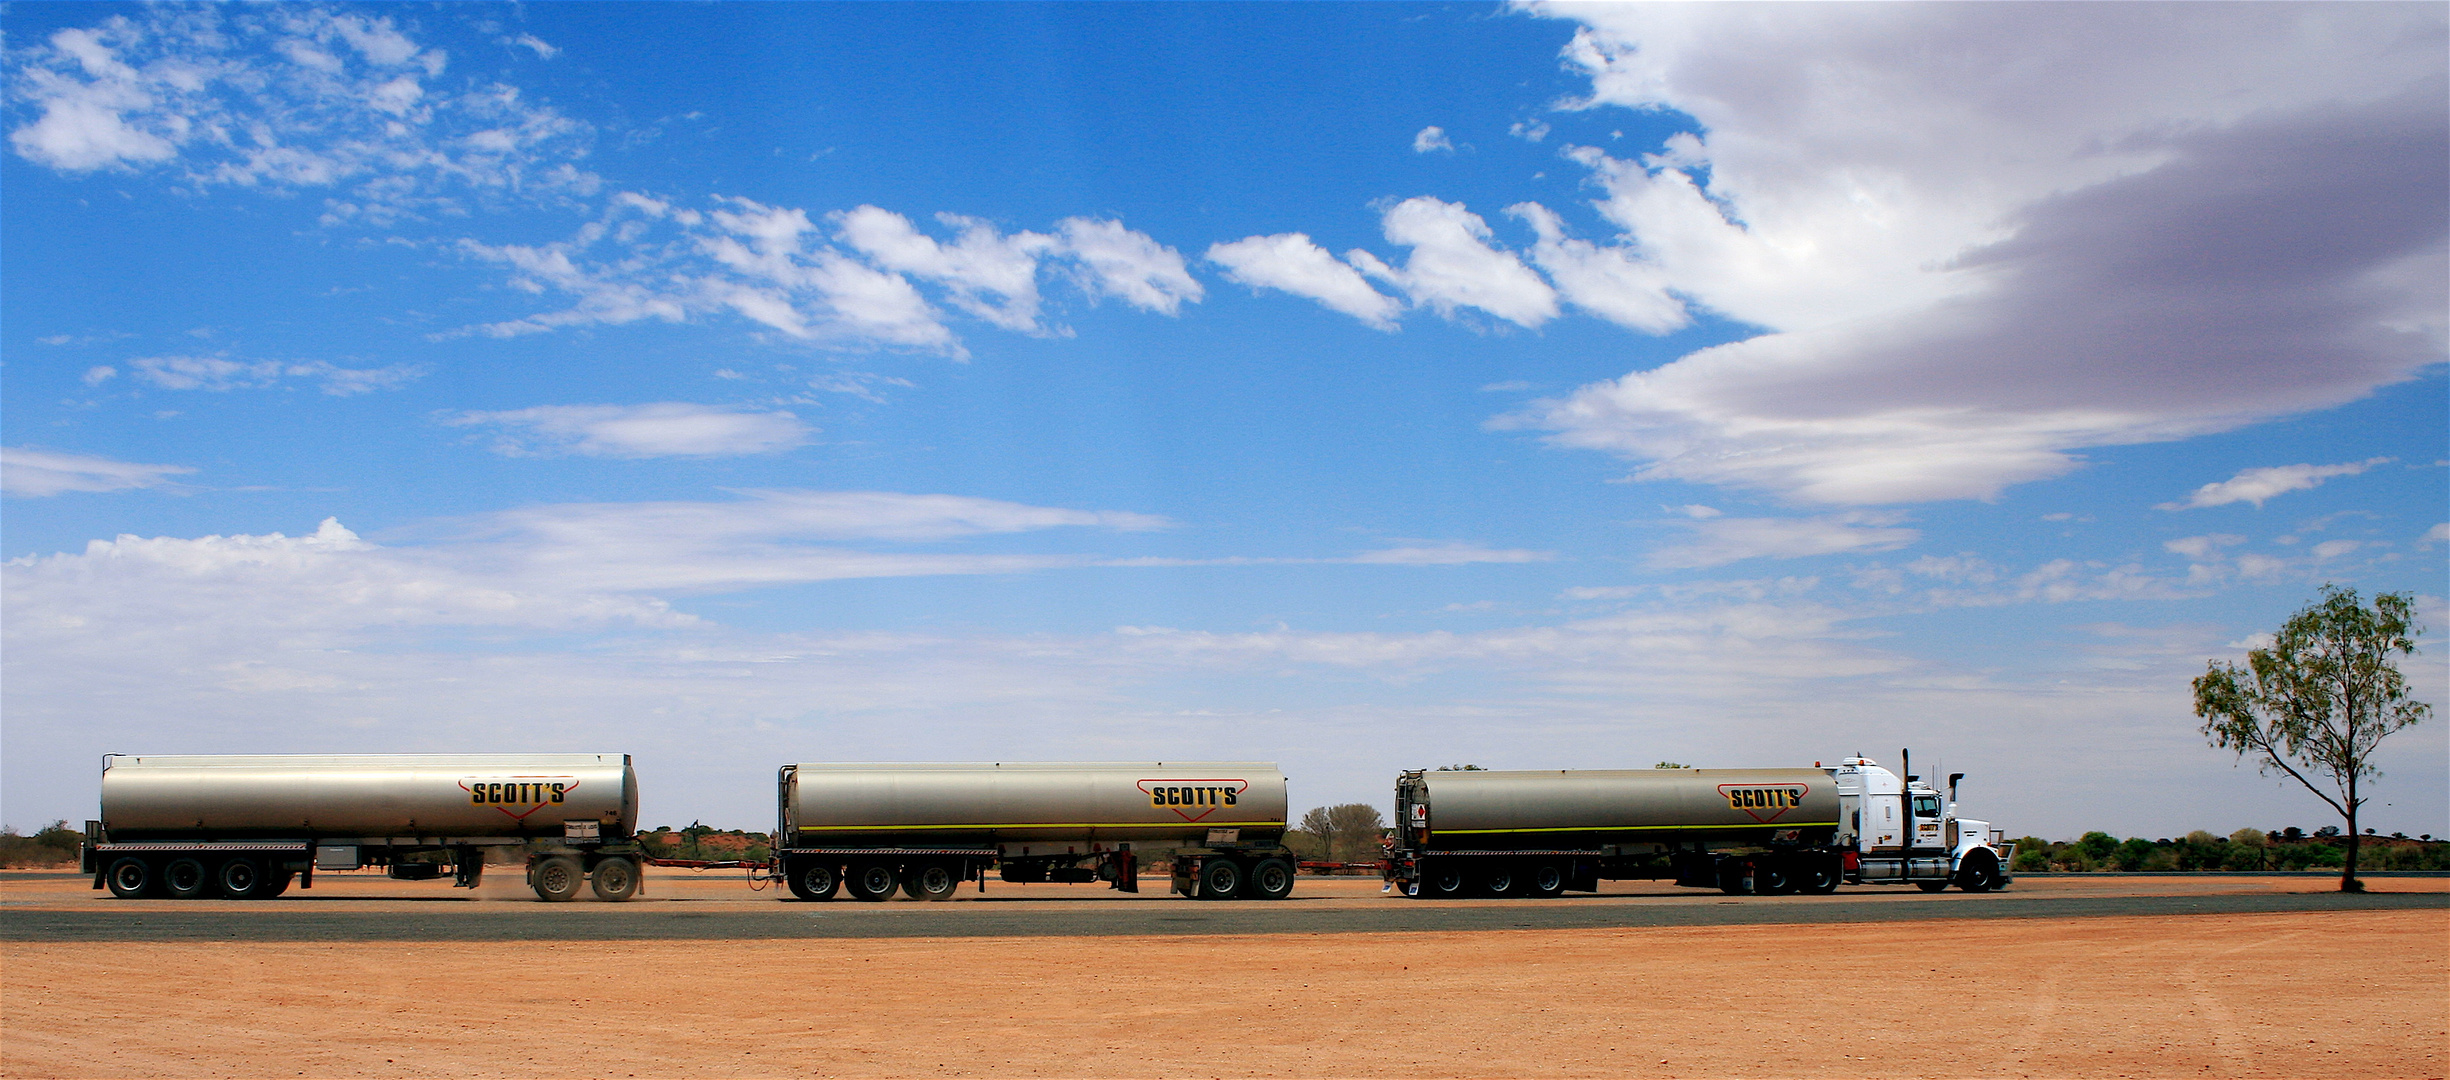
(616, 880)
(1771, 877)
(870, 882)
(1272, 879)
(1820, 876)
(931, 881)
(242, 878)
(1219, 879)
(1979, 874)
(185, 878)
(556, 879)
(1498, 880)
(1547, 880)
(814, 881)
(276, 883)
(131, 878)
(1931, 886)
(1441, 881)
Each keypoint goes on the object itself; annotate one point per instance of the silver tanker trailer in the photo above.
(1491, 833)
(242, 827)
(867, 829)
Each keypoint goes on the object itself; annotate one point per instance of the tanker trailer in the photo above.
(926, 828)
(242, 826)
(1494, 833)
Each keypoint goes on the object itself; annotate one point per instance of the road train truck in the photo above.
(243, 827)
(1498, 833)
(868, 829)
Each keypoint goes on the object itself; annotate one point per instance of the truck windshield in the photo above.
(1926, 806)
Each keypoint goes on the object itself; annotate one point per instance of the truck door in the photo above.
(1927, 823)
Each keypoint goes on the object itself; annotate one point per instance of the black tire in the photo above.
(813, 880)
(1819, 877)
(557, 878)
(1441, 880)
(132, 878)
(1271, 879)
(242, 878)
(1220, 879)
(1547, 880)
(615, 879)
(1931, 886)
(1773, 877)
(870, 882)
(1499, 879)
(186, 878)
(1980, 872)
(930, 881)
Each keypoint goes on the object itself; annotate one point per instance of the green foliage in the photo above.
(2249, 837)
(2097, 846)
(52, 845)
(2130, 856)
(2318, 701)
(1344, 833)
(1671, 765)
(1461, 768)
(706, 842)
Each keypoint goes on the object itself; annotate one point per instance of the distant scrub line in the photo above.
(2243, 850)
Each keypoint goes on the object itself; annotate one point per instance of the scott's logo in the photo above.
(1194, 799)
(518, 796)
(1765, 803)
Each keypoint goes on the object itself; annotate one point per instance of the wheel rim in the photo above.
(876, 880)
(613, 875)
(1549, 880)
(185, 875)
(935, 879)
(1221, 879)
(1501, 883)
(557, 879)
(1272, 879)
(817, 880)
(130, 877)
(239, 877)
(1448, 881)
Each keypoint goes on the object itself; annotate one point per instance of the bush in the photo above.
(52, 845)
(2031, 860)
(2097, 846)
(2130, 856)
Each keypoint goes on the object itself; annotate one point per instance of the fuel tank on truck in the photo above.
(229, 797)
(977, 804)
(1586, 808)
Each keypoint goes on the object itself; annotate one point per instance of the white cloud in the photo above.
(1453, 266)
(286, 98)
(542, 49)
(1529, 130)
(1121, 263)
(646, 258)
(2438, 534)
(1717, 541)
(1293, 263)
(32, 473)
(987, 274)
(2257, 485)
(220, 374)
(665, 429)
(2332, 549)
(1612, 282)
(1432, 140)
(2200, 548)
(1451, 555)
(2043, 229)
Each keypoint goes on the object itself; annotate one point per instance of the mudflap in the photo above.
(1584, 877)
(1126, 872)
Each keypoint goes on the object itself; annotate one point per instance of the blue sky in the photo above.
(1361, 387)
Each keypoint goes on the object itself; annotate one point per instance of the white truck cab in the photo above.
(1895, 832)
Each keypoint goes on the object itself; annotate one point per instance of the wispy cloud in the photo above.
(1716, 541)
(664, 429)
(31, 473)
(1432, 140)
(1293, 263)
(220, 374)
(2257, 485)
(291, 98)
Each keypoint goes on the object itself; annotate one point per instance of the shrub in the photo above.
(52, 845)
